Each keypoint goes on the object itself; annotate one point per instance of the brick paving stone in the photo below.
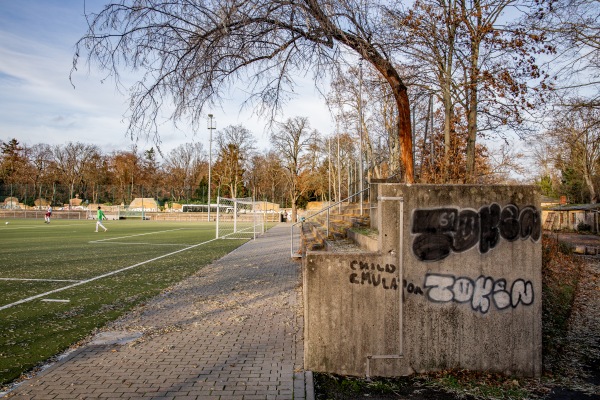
(234, 330)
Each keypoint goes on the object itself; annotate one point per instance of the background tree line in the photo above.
(288, 175)
(301, 165)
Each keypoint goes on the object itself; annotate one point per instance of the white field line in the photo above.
(146, 244)
(14, 228)
(101, 276)
(39, 280)
(130, 236)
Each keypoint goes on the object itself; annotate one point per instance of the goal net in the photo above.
(238, 219)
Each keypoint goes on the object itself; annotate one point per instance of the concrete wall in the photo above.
(456, 283)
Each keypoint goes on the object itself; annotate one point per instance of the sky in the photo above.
(39, 104)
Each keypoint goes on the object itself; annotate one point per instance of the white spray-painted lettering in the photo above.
(480, 293)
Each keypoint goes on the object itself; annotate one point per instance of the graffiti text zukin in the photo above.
(480, 293)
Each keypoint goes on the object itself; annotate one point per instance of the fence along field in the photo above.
(60, 281)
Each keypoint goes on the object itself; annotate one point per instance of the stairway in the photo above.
(341, 228)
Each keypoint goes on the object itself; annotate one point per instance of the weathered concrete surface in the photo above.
(464, 290)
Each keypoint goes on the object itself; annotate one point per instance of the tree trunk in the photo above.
(473, 77)
(472, 96)
(589, 182)
(448, 131)
(400, 93)
(405, 132)
(591, 188)
(471, 139)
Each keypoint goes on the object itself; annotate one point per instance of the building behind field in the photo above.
(41, 203)
(265, 206)
(144, 204)
(11, 203)
(76, 202)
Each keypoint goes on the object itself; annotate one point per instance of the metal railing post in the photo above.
(327, 222)
(327, 210)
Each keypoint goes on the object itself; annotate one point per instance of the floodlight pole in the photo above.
(212, 124)
(360, 128)
(329, 169)
(339, 173)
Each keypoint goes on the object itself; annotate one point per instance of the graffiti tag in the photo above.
(441, 231)
(411, 288)
(373, 274)
(480, 293)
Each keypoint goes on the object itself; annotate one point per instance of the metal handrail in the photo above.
(326, 209)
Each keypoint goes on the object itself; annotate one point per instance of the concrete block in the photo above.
(455, 283)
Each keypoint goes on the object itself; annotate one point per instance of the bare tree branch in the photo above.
(190, 52)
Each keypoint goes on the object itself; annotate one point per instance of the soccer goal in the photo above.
(238, 219)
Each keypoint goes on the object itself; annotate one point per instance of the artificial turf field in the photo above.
(60, 281)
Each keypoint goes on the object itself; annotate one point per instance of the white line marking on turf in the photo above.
(101, 276)
(56, 300)
(39, 280)
(130, 236)
(148, 244)
(9, 228)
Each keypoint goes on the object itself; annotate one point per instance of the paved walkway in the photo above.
(232, 331)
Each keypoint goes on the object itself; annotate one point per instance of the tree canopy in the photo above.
(190, 52)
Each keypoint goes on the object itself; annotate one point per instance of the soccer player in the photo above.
(100, 216)
(48, 215)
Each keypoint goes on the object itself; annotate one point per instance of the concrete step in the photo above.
(312, 237)
(341, 235)
(316, 236)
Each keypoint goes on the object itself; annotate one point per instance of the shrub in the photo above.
(583, 227)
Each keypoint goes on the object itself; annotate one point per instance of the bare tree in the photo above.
(293, 142)
(70, 162)
(93, 174)
(575, 138)
(191, 51)
(40, 158)
(124, 167)
(573, 31)
(431, 37)
(479, 61)
(183, 168)
(265, 176)
(229, 171)
(239, 136)
(363, 104)
(235, 146)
